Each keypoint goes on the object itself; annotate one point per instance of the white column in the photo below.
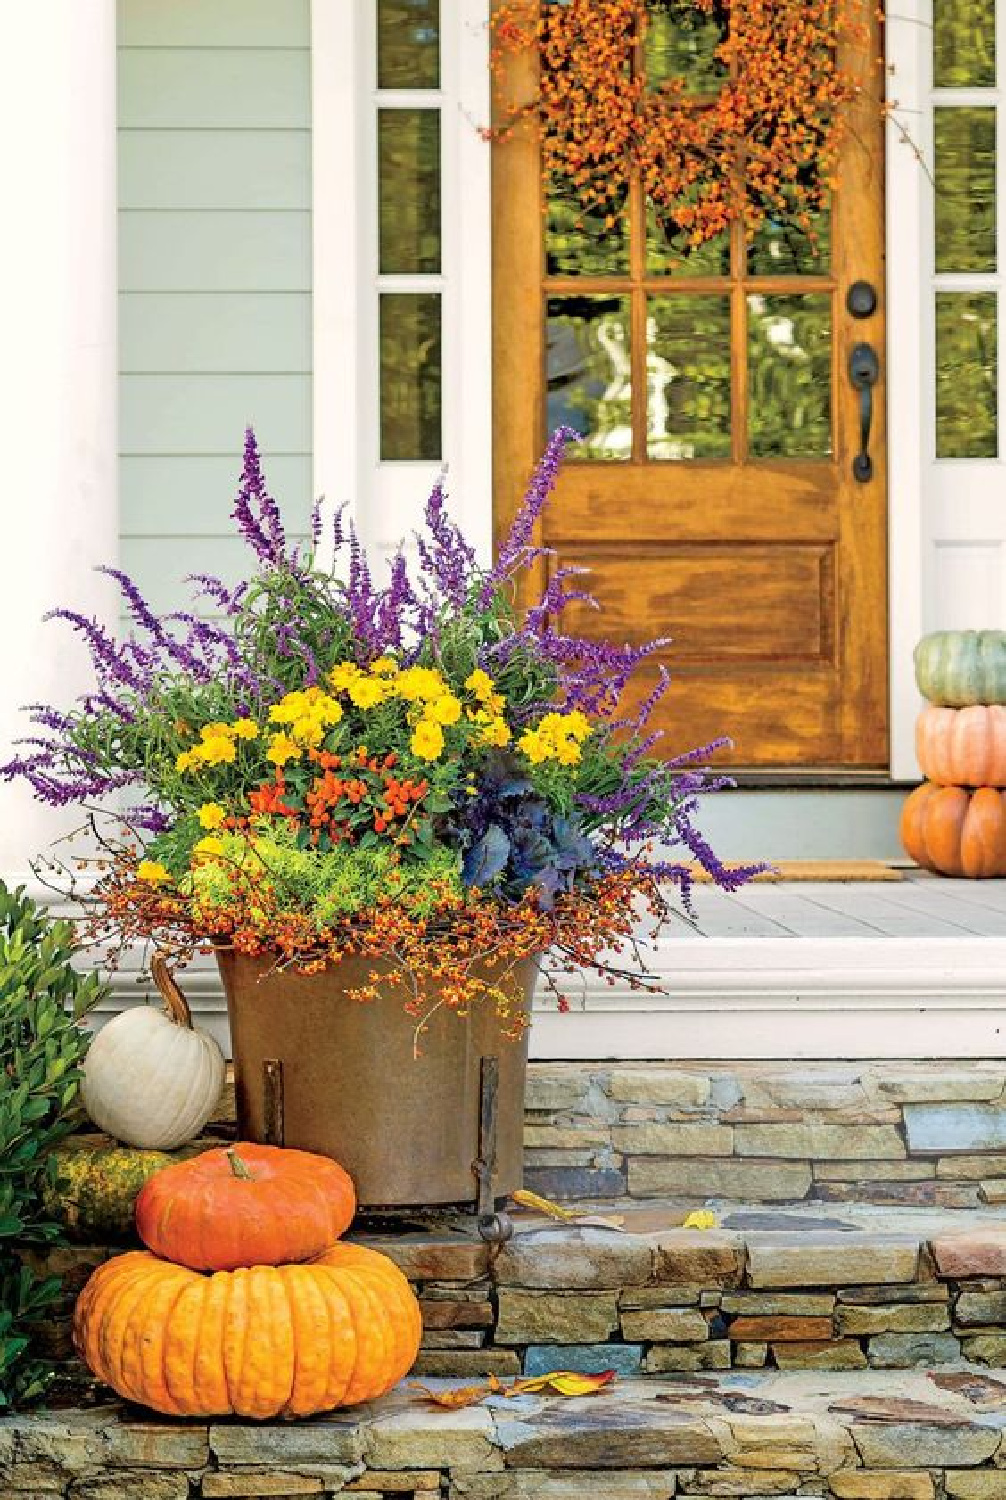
(58, 365)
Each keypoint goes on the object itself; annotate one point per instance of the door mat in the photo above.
(822, 869)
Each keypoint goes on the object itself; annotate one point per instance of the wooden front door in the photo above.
(713, 496)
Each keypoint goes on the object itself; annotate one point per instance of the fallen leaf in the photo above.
(562, 1215)
(898, 1409)
(564, 1383)
(461, 1395)
(980, 1390)
(702, 1218)
(545, 1206)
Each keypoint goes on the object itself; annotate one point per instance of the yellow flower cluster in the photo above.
(557, 737)
(424, 687)
(306, 715)
(489, 714)
(217, 744)
(152, 871)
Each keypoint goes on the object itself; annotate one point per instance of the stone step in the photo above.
(782, 1288)
(892, 1132)
(909, 1133)
(867, 1435)
(787, 1288)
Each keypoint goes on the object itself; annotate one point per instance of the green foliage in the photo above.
(327, 885)
(42, 1047)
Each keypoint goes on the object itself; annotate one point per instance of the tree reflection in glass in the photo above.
(588, 373)
(789, 376)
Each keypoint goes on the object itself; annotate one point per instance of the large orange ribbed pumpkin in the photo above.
(956, 832)
(266, 1341)
(245, 1205)
(962, 746)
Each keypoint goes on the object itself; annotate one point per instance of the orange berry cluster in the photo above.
(445, 949)
(765, 145)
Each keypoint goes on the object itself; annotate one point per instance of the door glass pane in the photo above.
(588, 374)
(408, 165)
(965, 141)
(964, 44)
(408, 44)
(581, 244)
(681, 43)
(668, 253)
(966, 375)
(688, 377)
(410, 375)
(781, 248)
(789, 376)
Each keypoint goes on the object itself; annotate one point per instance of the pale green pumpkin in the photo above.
(957, 668)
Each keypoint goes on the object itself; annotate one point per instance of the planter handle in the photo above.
(175, 1002)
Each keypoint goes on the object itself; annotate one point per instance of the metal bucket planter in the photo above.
(316, 1070)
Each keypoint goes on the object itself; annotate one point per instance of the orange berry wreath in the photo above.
(765, 145)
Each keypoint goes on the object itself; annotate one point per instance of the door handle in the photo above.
(864, 372)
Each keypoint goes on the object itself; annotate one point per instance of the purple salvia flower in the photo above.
(255, 511)
(513, 553)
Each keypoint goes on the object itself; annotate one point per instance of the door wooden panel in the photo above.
(714, 500)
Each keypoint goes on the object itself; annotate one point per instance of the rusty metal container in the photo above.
(316, 1070)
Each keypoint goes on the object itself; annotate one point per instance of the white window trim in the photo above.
(908, 401)
(385, 499)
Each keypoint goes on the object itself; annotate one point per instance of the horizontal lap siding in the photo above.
(214, 275)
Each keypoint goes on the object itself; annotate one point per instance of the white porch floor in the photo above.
(909, 968)
(918, 906)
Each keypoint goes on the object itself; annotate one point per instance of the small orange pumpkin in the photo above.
(962, 746)
(266, 1341)
(955, 832)
(245, 1205)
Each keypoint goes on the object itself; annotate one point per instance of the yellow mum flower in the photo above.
(496, 732)
(310, 730)
(211, 815)
(445, 710)
(152, 871)
(535, 746)
(427, 740)
(208, 847)
(344, 675)
(479, 683)
(216, 751)
(245, 729)
(281, 749)
(417, 683)
(185, 760)
(217, 730)
(368, 693)
(568, 753)
(384, 666)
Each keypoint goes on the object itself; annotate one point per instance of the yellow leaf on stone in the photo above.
(564, 1383)
(567, 1215)
(543, 1205)
(703, 1218)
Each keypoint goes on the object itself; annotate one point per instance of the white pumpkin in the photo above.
(150, 1078)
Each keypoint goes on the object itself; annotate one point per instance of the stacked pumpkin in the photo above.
(247, 1301)
(955, 823)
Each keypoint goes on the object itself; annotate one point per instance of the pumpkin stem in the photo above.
(238, 1167)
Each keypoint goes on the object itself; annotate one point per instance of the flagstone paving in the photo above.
(869, 1434)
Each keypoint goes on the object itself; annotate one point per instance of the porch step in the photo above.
(908, 1133)
(852, 1436)
(785, 1288)
(789, 1287)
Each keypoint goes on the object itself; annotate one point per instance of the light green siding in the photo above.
(214, 274)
